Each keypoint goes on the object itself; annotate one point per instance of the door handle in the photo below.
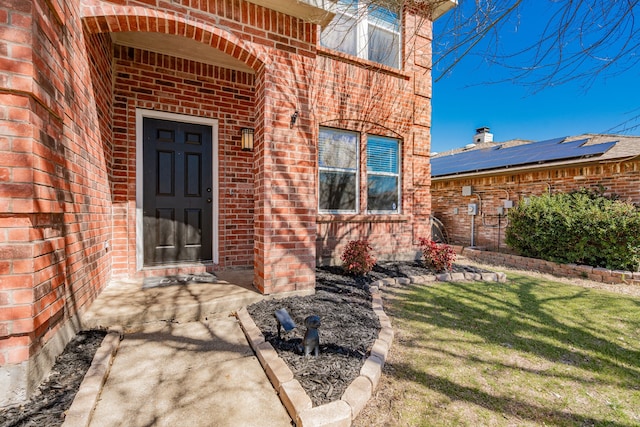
(208, 199)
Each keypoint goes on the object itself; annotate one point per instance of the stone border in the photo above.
(341, 412)
(81, 410)
(595, 274)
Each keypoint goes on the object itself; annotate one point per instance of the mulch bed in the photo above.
(349, 327)
(55, 395)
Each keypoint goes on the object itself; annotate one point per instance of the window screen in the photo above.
(383, 177)
(338, 170)
(384, 36)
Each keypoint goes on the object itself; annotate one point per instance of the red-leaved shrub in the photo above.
(438, 256)
(357, 259)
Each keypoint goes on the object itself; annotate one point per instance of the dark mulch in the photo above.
(349, 327)
(55, 395)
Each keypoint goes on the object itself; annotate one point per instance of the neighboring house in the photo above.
(146, 138)
(492, 177)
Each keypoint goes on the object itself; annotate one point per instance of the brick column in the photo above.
(30, 120)
(418, 61)
(54, 191)
(285, 178)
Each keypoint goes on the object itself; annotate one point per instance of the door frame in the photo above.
(141, 114)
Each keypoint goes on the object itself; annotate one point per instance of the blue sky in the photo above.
(463, 100)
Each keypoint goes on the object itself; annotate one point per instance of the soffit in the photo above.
(321, 12)
(180, 47)
(442, 7)
(315, 11)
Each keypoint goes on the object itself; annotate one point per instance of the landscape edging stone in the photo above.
(81, 410)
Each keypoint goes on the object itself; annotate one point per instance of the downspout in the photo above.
(473, 240)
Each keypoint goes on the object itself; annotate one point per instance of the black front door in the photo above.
(177, 192)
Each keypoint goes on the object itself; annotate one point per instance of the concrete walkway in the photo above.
(184, 360)
(192, 374)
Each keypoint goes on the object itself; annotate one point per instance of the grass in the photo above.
(528, 352)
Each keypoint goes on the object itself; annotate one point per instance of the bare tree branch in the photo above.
(582, 40)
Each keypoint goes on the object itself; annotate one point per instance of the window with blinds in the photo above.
(383, 174)
(339, 185)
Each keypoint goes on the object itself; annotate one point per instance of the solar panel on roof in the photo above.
(498, 157)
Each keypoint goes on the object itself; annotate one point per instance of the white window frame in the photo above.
(362, 171)
(362, 21)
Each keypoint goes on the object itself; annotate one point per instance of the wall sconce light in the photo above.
(247, 139)
(294, 117)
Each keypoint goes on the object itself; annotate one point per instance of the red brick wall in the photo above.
(364, 97)
(621, 178)
(100, 51)
(285, 175)
(54, 183)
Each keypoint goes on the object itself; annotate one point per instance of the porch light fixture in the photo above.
(247, 139)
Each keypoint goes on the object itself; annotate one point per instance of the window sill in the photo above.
(364, 63)
(328, 218)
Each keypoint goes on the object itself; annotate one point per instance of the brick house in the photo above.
(491, 177)
(181, 136)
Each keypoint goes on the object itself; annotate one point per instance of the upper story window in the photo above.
(365, 30)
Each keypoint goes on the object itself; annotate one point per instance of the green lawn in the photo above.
(525, 352)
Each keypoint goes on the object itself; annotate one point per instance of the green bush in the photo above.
(582, 227)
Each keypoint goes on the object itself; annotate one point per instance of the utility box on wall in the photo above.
(467, 190)
(472, 209)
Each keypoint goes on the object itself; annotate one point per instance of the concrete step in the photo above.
(130, 303)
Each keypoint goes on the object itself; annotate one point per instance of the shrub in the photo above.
(438, 256)
(357, 259)
(582, 227)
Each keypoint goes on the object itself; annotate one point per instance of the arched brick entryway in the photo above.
(283, 242)
(101, 17)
